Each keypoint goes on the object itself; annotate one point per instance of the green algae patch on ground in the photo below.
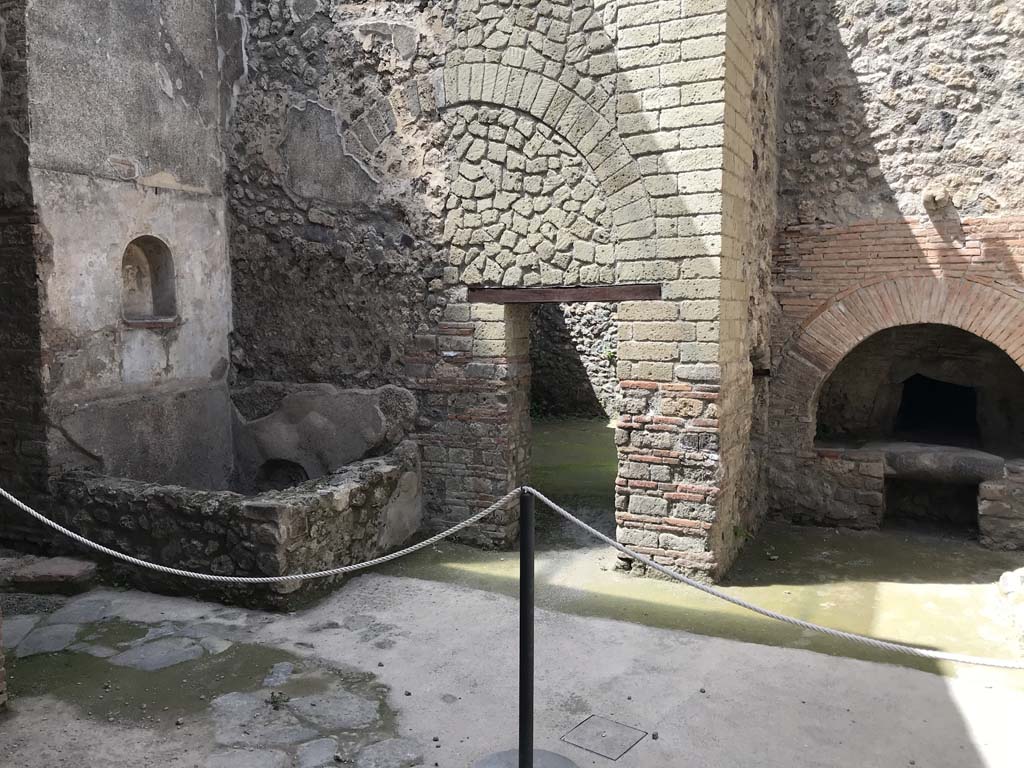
(105, 691)
(574, 458)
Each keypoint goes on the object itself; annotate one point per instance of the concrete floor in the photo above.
(446, 655)
(432, 641)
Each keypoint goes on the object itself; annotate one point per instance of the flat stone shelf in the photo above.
(927, 461)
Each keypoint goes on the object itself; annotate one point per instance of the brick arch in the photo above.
(565, 112)
(839, 326)
(545, 100)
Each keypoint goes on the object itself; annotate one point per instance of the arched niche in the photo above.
(925, 383)
(147, 282)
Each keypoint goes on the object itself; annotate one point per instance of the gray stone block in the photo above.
(48, 639)
(317, 754)
(337, 710)
(159, 654)
(392, 753)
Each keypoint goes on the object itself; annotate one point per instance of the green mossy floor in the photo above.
(925, 589)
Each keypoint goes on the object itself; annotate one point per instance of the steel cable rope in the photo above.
(872, 642)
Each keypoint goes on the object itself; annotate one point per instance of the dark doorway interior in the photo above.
(928, 384)
(949, 508)
(933, 411)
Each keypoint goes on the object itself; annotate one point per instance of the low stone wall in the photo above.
(358, 513)
(846, 487)
(1001, 509)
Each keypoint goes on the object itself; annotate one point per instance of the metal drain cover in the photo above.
(604, 737)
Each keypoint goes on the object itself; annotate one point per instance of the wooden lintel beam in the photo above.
(582, 293)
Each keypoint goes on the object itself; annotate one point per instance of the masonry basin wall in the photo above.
(359, 512)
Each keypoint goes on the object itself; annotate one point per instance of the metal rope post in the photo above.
(526, 593)
(526, 756)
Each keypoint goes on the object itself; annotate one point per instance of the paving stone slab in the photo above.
(48, 639)
(15, 628)
(317, 754)
(248, 758)
(99, 651)
(279, 674)
(249, 719)
(159, 654)
(338, 710)
(391, 753)
(81, 611)
(215, 645)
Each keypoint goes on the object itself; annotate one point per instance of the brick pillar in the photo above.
(473, 378)
(684, 436)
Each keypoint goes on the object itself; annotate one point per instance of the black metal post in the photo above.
(526, 543)
(525, 756)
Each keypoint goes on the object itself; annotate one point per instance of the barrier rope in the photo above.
(872, 642)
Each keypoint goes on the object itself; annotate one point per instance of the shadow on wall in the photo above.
(572, 360)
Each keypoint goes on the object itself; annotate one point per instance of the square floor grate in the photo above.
(604, 737)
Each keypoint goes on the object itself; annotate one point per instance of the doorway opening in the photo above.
(573, 405)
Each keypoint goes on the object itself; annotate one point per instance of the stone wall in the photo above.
(386, 157)
(143, 161)
(355, 514)
(23, 464)
(900, 199)
(883, 101)
(572, 356)
(849, 487)
(335, 191)
(475, 426)
(1001, 509)
(842, 487)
